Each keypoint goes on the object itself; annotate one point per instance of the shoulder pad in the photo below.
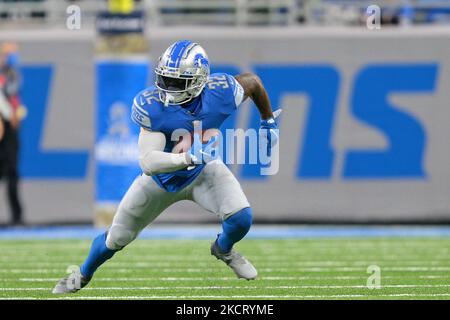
(142, 104)
(227, 86)
(218, 81)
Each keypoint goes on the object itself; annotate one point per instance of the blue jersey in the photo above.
(218, 100)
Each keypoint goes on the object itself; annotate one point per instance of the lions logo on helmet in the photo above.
(182, 72)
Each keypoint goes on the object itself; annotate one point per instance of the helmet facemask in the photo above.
(178, 90)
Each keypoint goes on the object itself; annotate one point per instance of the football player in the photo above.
(184, 92)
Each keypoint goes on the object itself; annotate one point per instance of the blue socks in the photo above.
(234, 229)
(97, 256)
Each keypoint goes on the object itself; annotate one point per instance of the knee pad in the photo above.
(241, 219)
(118, 237)
(234, 229)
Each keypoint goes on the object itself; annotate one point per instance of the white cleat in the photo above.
(238, 263)
(71, 284)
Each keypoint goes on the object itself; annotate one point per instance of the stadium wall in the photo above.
(364, 130)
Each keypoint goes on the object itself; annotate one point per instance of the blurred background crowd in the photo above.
(236, 12)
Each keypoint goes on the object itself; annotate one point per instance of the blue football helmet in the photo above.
(182, 72)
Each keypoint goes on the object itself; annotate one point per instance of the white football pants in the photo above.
(215, 189)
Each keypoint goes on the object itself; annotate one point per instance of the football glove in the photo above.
(269, 131)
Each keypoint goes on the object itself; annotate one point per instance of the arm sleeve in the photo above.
(151, 157)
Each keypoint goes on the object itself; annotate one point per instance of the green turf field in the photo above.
(412, 268)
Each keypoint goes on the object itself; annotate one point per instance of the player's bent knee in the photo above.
(242, 219)
(119, 237)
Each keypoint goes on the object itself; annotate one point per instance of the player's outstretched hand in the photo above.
(268, 130)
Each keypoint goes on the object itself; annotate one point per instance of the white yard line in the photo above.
(267, 246)
(208, 268)
(236, 297)
(409, 286)
(155, 249)
(257, 260)
(278, 278)
(204, 258)
(287, 243)
(278, 264)
(30, 270)
(179, 258)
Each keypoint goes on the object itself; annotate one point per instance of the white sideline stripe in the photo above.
(207, 263)
(287, 242)
(156, 250)
(260, 252)
(256, 259)
(235, 287)
(233, 297)
(228, 278)
(357, 255)
(210, 268)
(277, 264)
(275, 249)
(195, 270)
(283, 296)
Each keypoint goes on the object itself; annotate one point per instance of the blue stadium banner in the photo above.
(116, 153)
